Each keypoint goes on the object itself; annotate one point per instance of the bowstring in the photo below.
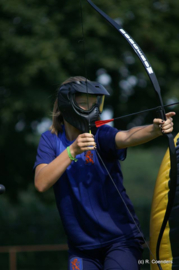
(84, 59)
(112, 180)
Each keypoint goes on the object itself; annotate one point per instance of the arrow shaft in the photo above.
(144, 111)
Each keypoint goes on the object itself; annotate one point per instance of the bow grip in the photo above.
(160, 113)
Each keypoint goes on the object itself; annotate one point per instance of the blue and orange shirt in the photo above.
(91, 210)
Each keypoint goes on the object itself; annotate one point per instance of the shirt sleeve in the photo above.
(46, 151)
(105, 139)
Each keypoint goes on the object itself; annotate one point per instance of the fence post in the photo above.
(12, 259)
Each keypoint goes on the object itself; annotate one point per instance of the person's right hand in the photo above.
(84, 142)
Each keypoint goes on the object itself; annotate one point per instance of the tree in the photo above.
(42, 45)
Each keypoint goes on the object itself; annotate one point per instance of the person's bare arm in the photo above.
(46, 175)
(143, 134)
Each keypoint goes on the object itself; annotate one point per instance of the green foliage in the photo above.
(36, 221)
(41, 44)
(140, 170)
(43, 260)
(32, 222)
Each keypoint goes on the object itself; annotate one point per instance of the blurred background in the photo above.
(41, 45)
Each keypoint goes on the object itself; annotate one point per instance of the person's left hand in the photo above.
(164, 126)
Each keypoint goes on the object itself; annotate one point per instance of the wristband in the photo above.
(70, 155)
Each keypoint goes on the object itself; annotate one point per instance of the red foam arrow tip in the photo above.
(103, 122)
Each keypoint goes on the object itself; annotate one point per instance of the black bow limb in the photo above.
(153, 78)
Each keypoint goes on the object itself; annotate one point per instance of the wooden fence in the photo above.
(13, 250)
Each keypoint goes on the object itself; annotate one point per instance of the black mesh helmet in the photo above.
(72, 113)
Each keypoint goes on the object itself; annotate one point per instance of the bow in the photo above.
(161, 114)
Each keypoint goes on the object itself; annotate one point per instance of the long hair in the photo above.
(57, 117)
